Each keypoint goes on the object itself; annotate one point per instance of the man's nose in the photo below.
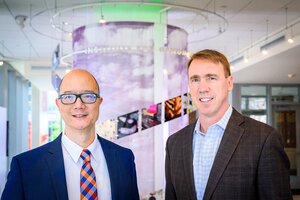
(203, 86)
(78, 103)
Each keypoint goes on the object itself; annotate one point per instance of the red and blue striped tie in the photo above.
(88, 186)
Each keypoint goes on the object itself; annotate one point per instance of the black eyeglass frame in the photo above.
(79, 96)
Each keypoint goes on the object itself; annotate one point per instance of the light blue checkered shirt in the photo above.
(205, 147)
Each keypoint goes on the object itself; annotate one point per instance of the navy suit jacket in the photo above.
(40, 173)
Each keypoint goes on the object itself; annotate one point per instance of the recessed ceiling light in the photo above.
(291, 75)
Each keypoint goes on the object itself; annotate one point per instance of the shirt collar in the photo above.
(74, 150)
(222, 122)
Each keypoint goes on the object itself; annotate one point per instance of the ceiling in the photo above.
(236, 28)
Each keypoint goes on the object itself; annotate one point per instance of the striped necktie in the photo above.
(88, 186)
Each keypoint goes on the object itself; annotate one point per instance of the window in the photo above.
(284, 94)
(254, 102)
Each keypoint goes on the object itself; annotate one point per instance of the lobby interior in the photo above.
(42, 40)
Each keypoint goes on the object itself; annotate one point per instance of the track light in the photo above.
(102, 20)
(290, 40)
(264, 51)
(20, 20)
(290, 36)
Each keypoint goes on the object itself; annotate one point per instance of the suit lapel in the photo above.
(187, 152)
(54, 159)
(111, 158)
(230, 141)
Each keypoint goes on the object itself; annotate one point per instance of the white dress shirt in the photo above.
(73, 164)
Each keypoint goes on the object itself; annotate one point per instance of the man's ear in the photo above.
(100, 100)
(56, 102)
(230, 83)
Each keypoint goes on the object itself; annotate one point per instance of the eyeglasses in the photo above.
(87, 98)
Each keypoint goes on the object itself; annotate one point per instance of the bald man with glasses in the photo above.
(79, 164)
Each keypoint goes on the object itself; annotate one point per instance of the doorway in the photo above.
(285, 118)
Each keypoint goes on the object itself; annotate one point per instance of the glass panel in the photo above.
(244, 103)
(285, 122)
(254, 102)
(284, 94)
(257, 103)
(254, 90)
(261, 118)
(52, 123)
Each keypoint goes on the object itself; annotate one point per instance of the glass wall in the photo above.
(254, 102)
(279, 106)
(286, 119)
(14, 97)
(51, 123)
(285, 94)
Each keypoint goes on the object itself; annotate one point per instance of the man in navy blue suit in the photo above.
(52, 171)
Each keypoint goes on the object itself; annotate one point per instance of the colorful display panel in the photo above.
(128, 124)
(173, 108)
(151, 116)
(187, 104)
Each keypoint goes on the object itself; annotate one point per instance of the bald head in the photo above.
(78, 77)
(81, 113)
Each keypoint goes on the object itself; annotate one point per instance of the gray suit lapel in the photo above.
(187, 151)
(230, 141)
(54, 159)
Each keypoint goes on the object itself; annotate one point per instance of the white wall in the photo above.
(3, 158)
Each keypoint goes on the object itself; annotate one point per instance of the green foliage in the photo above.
(55, 129)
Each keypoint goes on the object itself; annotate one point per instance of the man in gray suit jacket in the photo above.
(223, 155)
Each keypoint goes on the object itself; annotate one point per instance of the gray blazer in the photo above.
(250, 164)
